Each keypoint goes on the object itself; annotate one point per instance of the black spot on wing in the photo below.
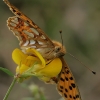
(61, 87)
(66, 90)
(66, 78)
(18, 13)
(70, 87)
(74, 97)
(27, 21)
(70, 96)
(65, 95)
(13, 10)
(63, 73)
(67, 72)
(73, 85)
(71, 78)
(77, 96)
(60, 90)
(62, 79)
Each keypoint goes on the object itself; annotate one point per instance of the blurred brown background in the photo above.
(80, 22)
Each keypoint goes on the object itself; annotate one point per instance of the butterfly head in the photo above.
(59, 49)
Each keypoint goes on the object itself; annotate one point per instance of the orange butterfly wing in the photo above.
(66, 83)
(23, 19)
(27, 35)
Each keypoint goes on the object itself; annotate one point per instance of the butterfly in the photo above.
(31, 36)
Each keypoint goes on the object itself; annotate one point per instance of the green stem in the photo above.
(10, 88)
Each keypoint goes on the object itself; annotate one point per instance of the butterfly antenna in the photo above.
(61, 37)
(81, 63)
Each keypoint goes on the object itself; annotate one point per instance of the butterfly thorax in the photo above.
(57, 51)
(49, 53)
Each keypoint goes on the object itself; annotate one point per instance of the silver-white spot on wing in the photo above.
(12, 24)
(33, 46)
(43, 37)
(35, 31)
(15, 20)
(26, 43)
(28, 33)
(18, 35)
(16, 32)
(32, 42)
(26, 24)
(38, 49)
(41, 43)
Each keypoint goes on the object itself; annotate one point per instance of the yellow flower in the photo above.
(33, 64)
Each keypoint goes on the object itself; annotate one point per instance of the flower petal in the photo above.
(37, 54)
(18, 56)
(50, 70)
(21, 69)
(32, 63)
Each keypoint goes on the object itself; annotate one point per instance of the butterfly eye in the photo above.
(57, 49)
